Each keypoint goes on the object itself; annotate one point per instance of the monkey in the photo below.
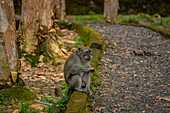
(77, 71)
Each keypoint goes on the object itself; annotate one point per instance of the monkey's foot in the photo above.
(81, 90)
(89, 92)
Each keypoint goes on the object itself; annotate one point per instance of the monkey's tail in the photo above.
(45, 103)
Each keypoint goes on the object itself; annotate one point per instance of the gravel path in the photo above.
(135, 71)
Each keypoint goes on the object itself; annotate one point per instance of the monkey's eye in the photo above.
(87, 52)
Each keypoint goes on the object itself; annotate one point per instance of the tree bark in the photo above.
(58, 7)
(36, 24)
(111, 11)
(33, 14)
(8, 48)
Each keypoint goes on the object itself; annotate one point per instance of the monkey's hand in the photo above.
(92, 69)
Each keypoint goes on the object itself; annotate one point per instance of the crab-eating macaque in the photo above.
(77, 71)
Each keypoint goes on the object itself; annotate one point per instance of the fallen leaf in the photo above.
(118, 105)
(165, 98)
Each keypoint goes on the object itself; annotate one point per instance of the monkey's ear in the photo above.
(78, 50)
(90, 50)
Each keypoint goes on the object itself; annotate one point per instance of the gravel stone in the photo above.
(134, 70)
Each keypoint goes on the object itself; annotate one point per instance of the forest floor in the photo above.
(45, 80)
(134, 71)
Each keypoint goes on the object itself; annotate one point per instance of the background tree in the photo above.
(8, 48)
(58, 8)
(111, 11)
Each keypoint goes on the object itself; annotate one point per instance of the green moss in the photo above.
(59, 33)
(95, 78)
(95, 59)
(165, 34)
(33, 59)
(14, 106)
(85, 32)
(29, 102)
(77, 103)
(17, 93)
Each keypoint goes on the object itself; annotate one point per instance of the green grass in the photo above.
(130, 20)
(165, 21)
(91, 18)
(142, 19)
(61, 102)
(145, 16)
(88, 18)
(26, 109)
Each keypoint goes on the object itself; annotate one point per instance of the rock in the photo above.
(42, 77)
(26, 77)
(156, 16)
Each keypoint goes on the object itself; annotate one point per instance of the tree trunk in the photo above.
(33, 14)
(58, 7)
(8, 48)
(111, 11)
(36, 24)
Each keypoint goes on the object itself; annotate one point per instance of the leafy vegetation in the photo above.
(130, 20)
(79, 42)
(4, 101)
(60, 102)
(32, 59)
(26, 109)
(91, 18)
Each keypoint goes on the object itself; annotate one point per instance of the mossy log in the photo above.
(77, 103)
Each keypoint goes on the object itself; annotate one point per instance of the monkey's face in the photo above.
(85, 53)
